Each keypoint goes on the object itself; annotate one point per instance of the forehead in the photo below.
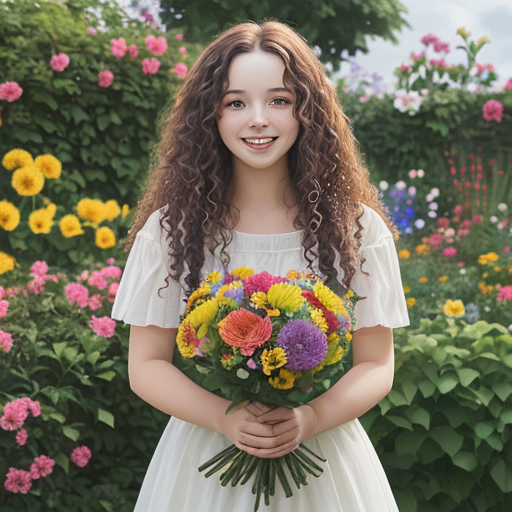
(256, 68)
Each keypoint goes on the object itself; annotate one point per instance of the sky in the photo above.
(491, 18)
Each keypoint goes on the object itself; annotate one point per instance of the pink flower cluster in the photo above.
(81, 456)
(16, 412)
(156, 45)
(4, 308)
(505, 293)
(59, 62)
(438, 45)
(10, 91)
(493, 111)
(105, 78)
(20, 481)
(150, 66)
(77, 294)
(41, 467)
(5, 341)
(103, 326)
(118, 47)
(180, 70)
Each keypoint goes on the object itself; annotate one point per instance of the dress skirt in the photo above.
(353, 479)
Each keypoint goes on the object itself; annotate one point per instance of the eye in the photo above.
(235, 104)
(280, 101)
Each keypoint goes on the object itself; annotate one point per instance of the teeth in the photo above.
(259, 141)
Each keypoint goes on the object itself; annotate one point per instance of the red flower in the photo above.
(245, 330)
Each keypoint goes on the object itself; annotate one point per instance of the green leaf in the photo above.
(465, 460)
(408, 442)
(79, 114)
(483, 430)
(503, 390)
(410, 389)
(427, 388)
(438, 126)
(62, 460)
(447, 382)
(399, 421)
(59, 349)
(108, 376)
(502, 475)
(467, 375)
(448, 439)
(396, 398)
(71, 433)
(115, 118)
(421, 417)
(105, 417)
(484, 395)
(57, 416)
(106, 505)
(102, 122)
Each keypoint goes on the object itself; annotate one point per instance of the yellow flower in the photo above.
(328, 298)
(333, 358)
(497, 269)
(483, 40)
(334, 351)
(485, 289)
(462, 31)
(404, 254)
(286, 297)
(407, 289)
(49, 166)
(186, 349)
(51, 208)
(17, 158)
(105, 238)
(92, 210)
(349, 294)
(28, 180)
(70, 226)
(285, 380)
(487, 258)
(423, 280)
(319, 320)
(111, 209)
(214, 277)
(422, 249)
(203, 314)
(348, 336)
(242, 272)
(273, 359)
(259, 299)
(454, 308)
(7, 263)
(411, 301)
(197, 294)
(9, 215)
(442, 279)
(40, 221)
(125, 211)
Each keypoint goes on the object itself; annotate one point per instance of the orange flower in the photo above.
(423, 280)
(245, 330)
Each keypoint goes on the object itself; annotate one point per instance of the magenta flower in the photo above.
(105, 78)
(132, 49)
(5, 341)
(183, 50)
(10, 91)
(98, 280)
(156, 45)
(4, 308)
(18, 481)
(118, 47)
(21, 437)
(505, 293)
(104, 326)
(179, 37)
(111, 272)
(80, 456)
(77, 294)
(261, 282)
(39, 268)
(493, 111)
(441, 47)
(180, 70)
(92, 31)
(450, 252)
(41, 467)
(95, 302)
(59, 62)
(429, 39)
(150, 66)
(304, 343)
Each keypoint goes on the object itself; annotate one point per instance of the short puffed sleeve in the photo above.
(379, 281)
(143, 297)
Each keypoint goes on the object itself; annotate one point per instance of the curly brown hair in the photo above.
(193, 164)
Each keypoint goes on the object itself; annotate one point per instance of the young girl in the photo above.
(258, 167)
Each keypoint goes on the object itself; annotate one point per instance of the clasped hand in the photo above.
(270, 433)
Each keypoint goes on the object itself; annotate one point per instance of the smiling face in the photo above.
(256, 120)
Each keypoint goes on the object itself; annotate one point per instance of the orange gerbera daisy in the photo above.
(245, 330)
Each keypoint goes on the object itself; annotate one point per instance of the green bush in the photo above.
(443, 433)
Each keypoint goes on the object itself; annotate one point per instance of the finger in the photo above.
(270, 453)
(276, 415)
(256, 409)
(269, 443)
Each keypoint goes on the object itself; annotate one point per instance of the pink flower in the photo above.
(10, 91)
(493, 111)
(59, 62)
(35, 407)
(111, 261)
(463, 232)
(39, 268)
(443, 222)
(5, 341)
(41, 467)
(77, 294)
(92, 31)
(3, 292)
(15, 414)
(4, 308)
(111, 272)
(450, 252)
(156, 45)
(132, 49)
(441, 46)
(429, 39)
(36, 285)
(417, 56)
(183, 50)
(179, 37)
(458, 209)
(18, 481)
(150, 66)
(95, 302)
(103, 326)
(21, 437)
(84, 275)
(506, 249)
(508, 85)
(105, 78)
(112, 289)
(436, 239)
(118, 47)
(505, 293)
(477, 218)
(81, 456)
(438, 63)
(98, 280)
(180, 70)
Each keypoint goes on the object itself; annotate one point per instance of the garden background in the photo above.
(79, 104)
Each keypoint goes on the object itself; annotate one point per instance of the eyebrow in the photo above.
(274, 89)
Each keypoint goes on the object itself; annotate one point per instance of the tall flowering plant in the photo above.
(280, 341)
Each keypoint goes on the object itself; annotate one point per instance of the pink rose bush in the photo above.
(132, 50)
(105, 78)
(81, 456)
(180, 70)
(118, 47)
(150, 66)
(10, 91)
(59, 62)
(156, 45)
(104, 326)
(18, 481)
(493, 111)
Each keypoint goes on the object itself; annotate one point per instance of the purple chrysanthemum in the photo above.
(304, 343)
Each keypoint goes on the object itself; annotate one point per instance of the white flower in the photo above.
(419, 223)
(407, 101)
(493, 219)
(502, 207)
(435, 192)
(429, 197)
(412, 191)
(400, 185)
(487, 309)
(420, 173)
(432, 214)
(433, 206)
(383, 185)
(462, 271)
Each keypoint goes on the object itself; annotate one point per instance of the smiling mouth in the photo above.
(266, 140)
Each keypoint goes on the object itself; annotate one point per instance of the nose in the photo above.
(258, 117)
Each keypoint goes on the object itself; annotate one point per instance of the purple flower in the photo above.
(304, 343)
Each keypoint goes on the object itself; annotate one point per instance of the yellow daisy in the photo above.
(105, 238)
(454, 308)
(49, 166)
(28, 180)
(125, 211)
(7, 263)
(242, 272)
(286, 297)
(404, 254)
(112, 209)
(186, 349)
(411, 301)
(328, 298)
(203, 314)
(285, 380)
(17, 158)
(9, 215)
(40, 221)
(422, 249)
(273, 359)
(319, 320)
(92, 210)
(70, 226)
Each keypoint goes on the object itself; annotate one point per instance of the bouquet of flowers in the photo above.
(281, 341)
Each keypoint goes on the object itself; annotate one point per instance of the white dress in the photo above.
(353, 479)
